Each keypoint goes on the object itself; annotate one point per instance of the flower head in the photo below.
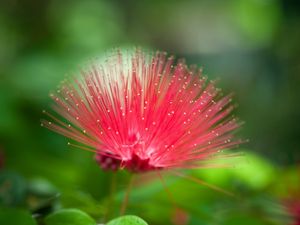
(143, 112)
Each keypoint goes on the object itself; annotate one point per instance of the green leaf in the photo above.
(127, 220)
(257, 173)
(42, 187)
(69, 217)
(82, 201)
(15, 217)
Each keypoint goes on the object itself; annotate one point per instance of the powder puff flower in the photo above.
(144, 112)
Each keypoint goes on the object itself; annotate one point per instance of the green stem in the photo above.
(112, 190)
(126, 197)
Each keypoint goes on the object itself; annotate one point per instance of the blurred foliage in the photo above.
(16, 217)
(127, 220)
(69, 217)
(252, 45)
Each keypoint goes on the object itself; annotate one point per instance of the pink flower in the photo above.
(142, 112)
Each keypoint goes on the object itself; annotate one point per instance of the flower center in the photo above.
(134, 165)
(138, 165)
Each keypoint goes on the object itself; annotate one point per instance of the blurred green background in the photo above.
(252, 45)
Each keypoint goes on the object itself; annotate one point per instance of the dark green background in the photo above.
(251, 45)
